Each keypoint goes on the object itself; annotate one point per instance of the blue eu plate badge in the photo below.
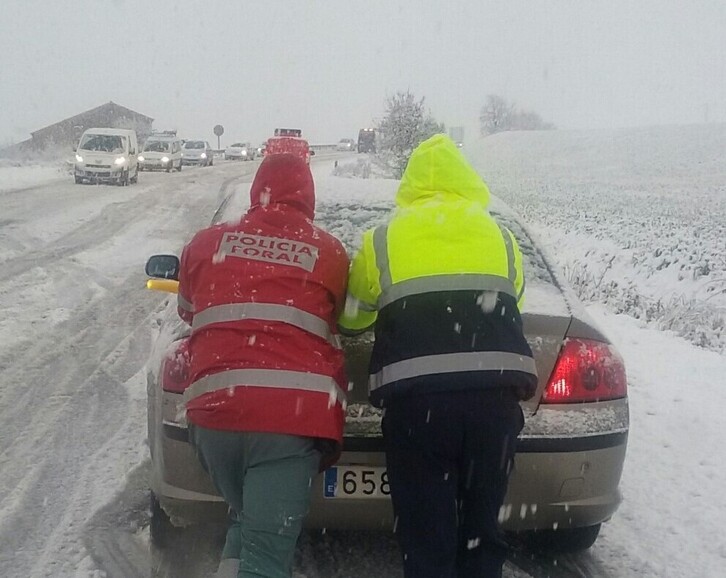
(331, 482)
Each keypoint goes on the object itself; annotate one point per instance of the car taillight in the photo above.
(586, 370)
(175, 368)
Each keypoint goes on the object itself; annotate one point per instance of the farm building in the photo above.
(65, 134)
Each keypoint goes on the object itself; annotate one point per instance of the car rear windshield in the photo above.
(363, 217)
(157, 146)
(194, 144)
(535, 267)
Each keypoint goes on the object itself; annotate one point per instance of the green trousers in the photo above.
(266, 479)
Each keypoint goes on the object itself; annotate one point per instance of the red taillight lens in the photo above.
(586, 370)
(175, 368)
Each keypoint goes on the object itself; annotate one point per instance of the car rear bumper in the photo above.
(569, 482)
(573, 485)
(556, 482)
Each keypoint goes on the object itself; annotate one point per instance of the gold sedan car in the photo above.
(570, 455)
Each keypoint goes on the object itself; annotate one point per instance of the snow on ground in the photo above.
(637, 219)
(671, 521)
(19, 175)
(76, 327)
(637, 216)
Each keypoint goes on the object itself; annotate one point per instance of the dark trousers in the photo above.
(448, 456)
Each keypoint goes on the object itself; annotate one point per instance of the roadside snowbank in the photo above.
(21, 175)
(670, 522)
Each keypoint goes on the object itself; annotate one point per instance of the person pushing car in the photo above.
(442, 283)
(265, 404)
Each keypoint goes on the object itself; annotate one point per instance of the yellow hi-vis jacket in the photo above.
(442, 282)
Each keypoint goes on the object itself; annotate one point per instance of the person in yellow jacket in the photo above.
(442, 284)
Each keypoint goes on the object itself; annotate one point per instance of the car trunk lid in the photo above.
(546, 317)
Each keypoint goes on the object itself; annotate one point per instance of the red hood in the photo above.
(284, 179)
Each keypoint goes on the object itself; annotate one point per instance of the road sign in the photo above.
(219, 131)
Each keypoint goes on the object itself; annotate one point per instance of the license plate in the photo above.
(357, 482)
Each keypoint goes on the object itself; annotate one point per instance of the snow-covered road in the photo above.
(75, 330)
(76, 327)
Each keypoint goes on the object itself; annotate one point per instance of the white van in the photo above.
(107, 155)
(162, 152)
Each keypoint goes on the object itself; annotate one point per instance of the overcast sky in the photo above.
(328, 66)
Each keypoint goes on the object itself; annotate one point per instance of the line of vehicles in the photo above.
(167, 152)
(113, 155)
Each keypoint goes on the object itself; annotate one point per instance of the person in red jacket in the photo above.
(266, 401)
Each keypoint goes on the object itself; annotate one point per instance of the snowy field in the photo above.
(637, 217)
(76, 327)
(637, 220)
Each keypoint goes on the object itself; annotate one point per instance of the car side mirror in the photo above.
(163, 267)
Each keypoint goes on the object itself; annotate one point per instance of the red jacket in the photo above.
(262, 296)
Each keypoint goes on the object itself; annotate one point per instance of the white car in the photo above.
(107, 155)
(240, 151)
(345, 144)
(161, 153)
(197, 152)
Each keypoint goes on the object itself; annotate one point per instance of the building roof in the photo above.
(118, 108)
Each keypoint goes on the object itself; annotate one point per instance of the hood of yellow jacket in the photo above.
(438, 170)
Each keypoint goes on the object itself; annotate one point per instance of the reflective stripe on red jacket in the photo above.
(262, 296)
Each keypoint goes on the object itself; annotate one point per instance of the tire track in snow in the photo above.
(55, 447)
(112, 219)
(64, 400)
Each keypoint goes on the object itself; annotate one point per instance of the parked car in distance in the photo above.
(197, 152)
(240, 151)
(345, 144)
(570, 457)
(162, 152)
(107, 155)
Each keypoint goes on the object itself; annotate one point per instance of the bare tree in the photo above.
(499, 115)
(405, 125)
(496, 115)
